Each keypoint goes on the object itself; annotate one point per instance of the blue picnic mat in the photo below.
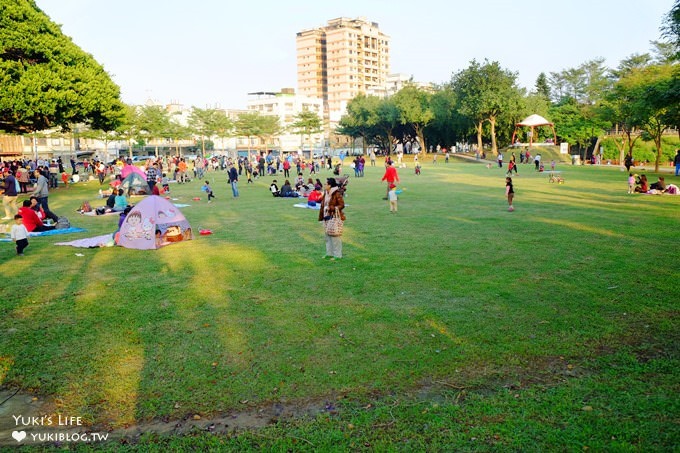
(48, 233)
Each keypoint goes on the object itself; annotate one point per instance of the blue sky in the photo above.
(213, 52)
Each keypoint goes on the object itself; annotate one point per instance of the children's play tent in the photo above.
(128, 169)
(133, 184)
(153, 223)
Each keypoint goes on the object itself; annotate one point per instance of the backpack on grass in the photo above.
(63, 223)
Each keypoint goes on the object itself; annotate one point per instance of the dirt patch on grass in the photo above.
(452, 389)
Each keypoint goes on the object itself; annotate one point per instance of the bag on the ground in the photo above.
(63, 223)
(85, 207)
(334, 225)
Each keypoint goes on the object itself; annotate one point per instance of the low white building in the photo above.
(286, 105)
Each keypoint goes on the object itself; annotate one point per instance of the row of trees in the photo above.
(149, 124)
(49, 83)
(640, 99)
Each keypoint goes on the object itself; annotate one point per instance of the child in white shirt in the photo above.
(19, 234)
(392, 197)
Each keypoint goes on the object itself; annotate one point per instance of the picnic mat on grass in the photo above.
(306, 206)
(105, 240)
(94, 214)
(49, 233)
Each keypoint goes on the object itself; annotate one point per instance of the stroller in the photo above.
(342, 181)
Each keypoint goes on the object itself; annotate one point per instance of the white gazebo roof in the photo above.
(534, 120)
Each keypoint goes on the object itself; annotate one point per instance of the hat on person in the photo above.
(392, 186)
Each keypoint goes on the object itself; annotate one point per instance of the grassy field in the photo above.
(451, 325)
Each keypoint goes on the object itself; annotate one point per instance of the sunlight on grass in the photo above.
(120, 383)
(442, 329)
(453, 288)
(578, 227)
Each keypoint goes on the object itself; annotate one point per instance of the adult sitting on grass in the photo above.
(287, 190)
(314, 197)
(642, 184)
(120, 201)
(660, 185)
(31, 220)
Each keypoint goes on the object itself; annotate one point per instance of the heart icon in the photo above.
(19, 435)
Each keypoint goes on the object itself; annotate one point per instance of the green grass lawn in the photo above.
(451, 325)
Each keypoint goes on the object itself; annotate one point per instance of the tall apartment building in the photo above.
(341, 60)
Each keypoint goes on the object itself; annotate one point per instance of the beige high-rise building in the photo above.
(341, 60)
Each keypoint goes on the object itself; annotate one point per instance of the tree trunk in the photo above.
(494, 146)
(479, 127)
(597, 146)
(421, 138)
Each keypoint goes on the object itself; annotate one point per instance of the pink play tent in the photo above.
(153, 223)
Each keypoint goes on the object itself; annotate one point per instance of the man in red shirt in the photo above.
(31, 220)
(390, 176)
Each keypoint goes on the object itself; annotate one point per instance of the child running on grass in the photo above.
(510, 192)
(207, 189)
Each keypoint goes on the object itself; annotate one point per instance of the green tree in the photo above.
(670, 28)
(248, 125)
(177, 132)
(414, 109)
(362, 119)
(485, 92)
(578, 124)
(635, 61)
(206, 123)
(448, 125)
(154, 124)
(586, 83)
(47, 81)
(307, 123)
(542, 88)
(652, 108)
(129, 129)
(269, 127)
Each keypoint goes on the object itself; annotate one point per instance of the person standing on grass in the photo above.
(509, 192)
(390, 176)
(331, 203)
(19, 234)
(500, 160)
(41, 193)
(628, 161)
(151, 176)
(676, 161)
(392, 196)
(9, 196)
(233, 179)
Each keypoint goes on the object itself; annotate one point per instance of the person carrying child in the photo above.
(207, 189)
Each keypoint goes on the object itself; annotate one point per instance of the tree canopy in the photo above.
(47, 80)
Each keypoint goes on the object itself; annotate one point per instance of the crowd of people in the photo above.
(37, 178)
